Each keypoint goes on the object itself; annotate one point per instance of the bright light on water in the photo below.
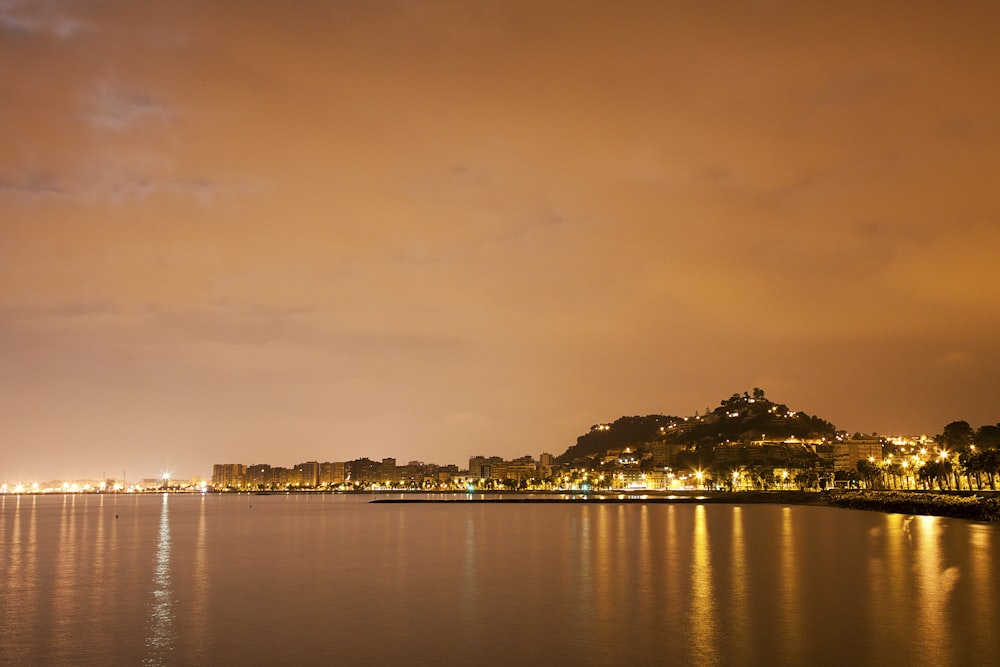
(240, 579)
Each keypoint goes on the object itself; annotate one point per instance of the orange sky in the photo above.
(239, 232)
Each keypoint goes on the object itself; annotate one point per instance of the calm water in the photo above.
(178, 580)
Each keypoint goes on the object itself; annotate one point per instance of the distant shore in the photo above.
(982, 506)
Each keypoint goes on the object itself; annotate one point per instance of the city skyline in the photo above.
(429, 229)
(166, 475)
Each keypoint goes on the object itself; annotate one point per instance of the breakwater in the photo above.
(960, 506)
(973, 507)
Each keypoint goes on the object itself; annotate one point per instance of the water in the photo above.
(261, 580)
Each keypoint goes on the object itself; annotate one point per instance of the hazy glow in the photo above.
(331, 230)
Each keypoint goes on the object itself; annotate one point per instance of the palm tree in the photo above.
(971, 463)
(990, 461)
(807, 479)
(869, 472)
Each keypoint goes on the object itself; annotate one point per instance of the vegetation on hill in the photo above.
(740, 418)
(623, 433)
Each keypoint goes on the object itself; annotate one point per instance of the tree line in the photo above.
(966, 458)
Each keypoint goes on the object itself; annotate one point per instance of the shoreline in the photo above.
(974, 507)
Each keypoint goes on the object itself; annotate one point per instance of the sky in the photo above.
(270, 232)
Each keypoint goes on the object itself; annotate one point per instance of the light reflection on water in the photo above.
(790, 595)
(703, 614)
(470, 574)
(20, 591)
(160, 640)
(983, 575)
(64, 601)
(738, 586)
(934, 581)
(199, 608)
(228, 579)
(645, 564)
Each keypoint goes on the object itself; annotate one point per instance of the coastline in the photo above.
(973, 507)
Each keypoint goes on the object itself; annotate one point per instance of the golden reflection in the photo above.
(112, 550)
(99, 546)
(738, 579)
(31, 558)
(583, 548)
(14, 549)
(400, 568)
(934, 584)
(888, 581)
(159, 642)
(620, 541)
(674, 575)
(199, 596)
(12, 555)
(898, 539)
(111, 589)
(470, 571)
(790, 595)
(598, 591)
(982, 566)
(603, 582)
(645, 564)
(64, 602)
(704, 642)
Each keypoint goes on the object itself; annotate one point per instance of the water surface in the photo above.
(199, 579)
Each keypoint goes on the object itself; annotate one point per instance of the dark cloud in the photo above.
(32, 186)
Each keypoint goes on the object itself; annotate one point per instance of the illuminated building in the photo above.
(229, 476)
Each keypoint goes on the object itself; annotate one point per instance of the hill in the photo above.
(624, 432)
(739, 418)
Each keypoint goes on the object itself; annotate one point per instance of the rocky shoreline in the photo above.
(972, 507)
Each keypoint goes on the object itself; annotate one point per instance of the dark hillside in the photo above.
(740, 418)
(632, 432)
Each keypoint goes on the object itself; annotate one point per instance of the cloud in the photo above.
(136, 189)
(116, 109)
(26, 17)
(957, 358)
(116, 186)
(32, 186)
(220, 325)
(39, 325)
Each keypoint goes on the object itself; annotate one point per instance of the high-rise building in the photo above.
(259, 476)
(363, 471)
(847, 453)
(387, 471)
(331, 473)
(306, 475)
(229, 475)
(477, 467)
